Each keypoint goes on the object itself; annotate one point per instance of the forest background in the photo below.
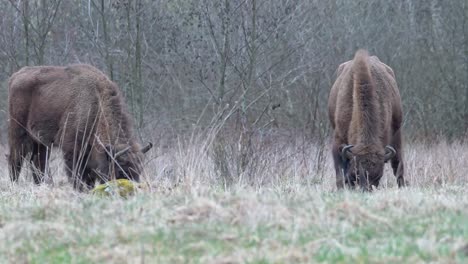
(240, 80)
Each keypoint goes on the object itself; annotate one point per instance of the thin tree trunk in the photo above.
(465, 43)
(138, 79)
(26, 30)
(245, 136)
(225, 54)
(106, 41)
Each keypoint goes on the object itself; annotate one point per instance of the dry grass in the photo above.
(282, 210)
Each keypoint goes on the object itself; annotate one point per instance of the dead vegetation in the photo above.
(291, 215)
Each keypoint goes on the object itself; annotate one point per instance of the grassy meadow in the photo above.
(288, 212)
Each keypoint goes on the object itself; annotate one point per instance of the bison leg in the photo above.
(397, 160)
(89, 179)
(82, 177)
(338, 166)
(84, 181)
(20, 146)
(39, 160)
(74, 171)
(15, 161)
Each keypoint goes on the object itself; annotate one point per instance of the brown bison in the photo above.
(78, 109)
(366, 115)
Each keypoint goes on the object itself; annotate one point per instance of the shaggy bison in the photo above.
(365, 113)
(78, 109)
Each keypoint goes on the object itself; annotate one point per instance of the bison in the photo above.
(365, 113)
(78, 109)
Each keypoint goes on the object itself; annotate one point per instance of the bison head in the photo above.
(363, 165)
(124, 161)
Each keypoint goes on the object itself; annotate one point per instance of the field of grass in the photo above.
(294, 217)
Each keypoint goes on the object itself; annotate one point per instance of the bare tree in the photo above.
(258, 66)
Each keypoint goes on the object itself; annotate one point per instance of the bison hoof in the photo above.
(402, 183)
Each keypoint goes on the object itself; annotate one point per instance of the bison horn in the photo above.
(389, 153)
(346, 152)
(148, 147)
(120, 153)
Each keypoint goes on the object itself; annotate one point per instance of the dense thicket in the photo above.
(254, 64)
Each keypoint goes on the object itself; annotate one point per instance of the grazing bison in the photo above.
(365, 113)
(78, 109)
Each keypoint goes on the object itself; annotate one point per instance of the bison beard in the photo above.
(366, 115)
(78, 109)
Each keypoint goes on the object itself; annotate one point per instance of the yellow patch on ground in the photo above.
(120, 187)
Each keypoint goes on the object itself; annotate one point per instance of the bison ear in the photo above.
(147, 148)
(389, 153)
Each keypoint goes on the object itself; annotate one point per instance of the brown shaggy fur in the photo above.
(365, 111)
(78, 109)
